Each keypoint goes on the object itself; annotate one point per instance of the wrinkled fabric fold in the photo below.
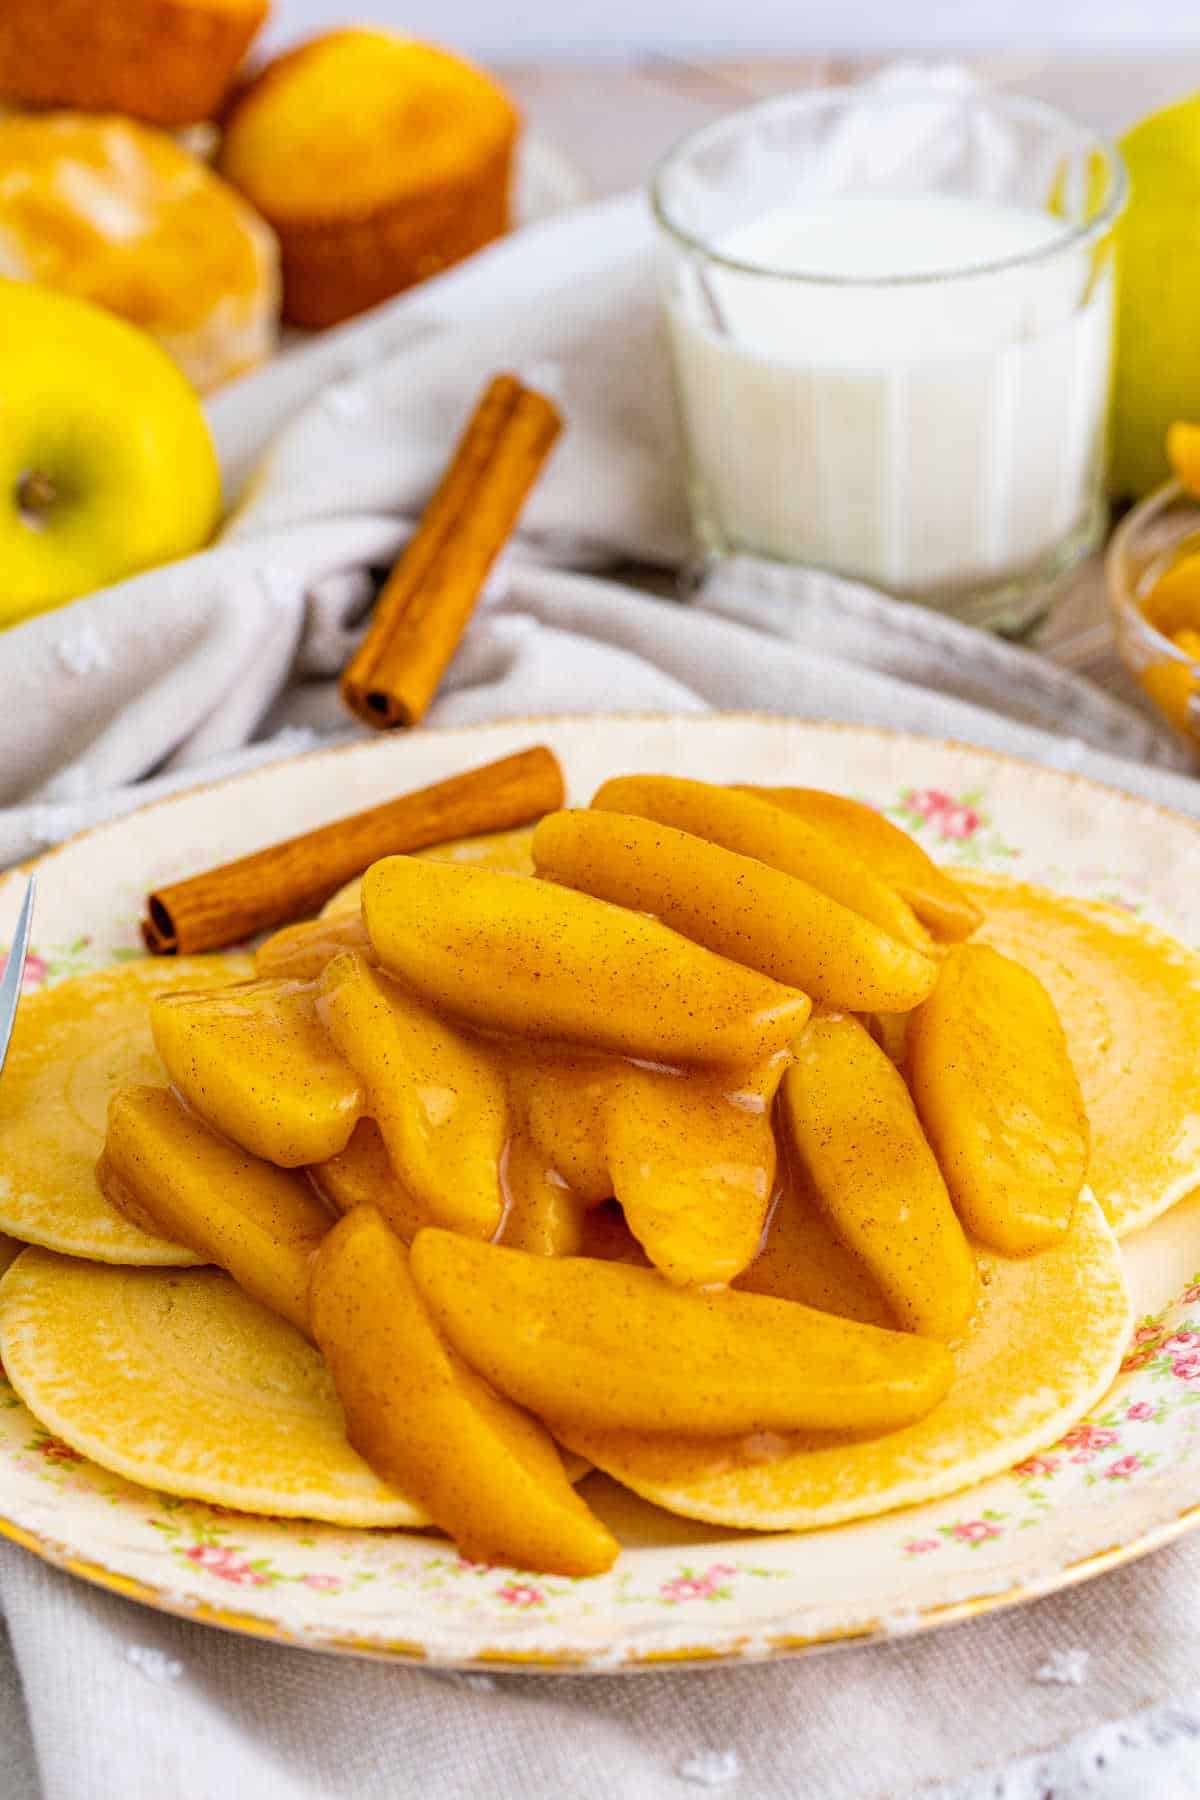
(545, 641)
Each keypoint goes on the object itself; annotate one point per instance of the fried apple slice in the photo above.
(803, 1259)
(506, 850)
(536, 959)
(890, 1031)
(1129, 1000)
(164, 1169)
(856, 1132)
(564, 1100)
(362, 1175)
(543, 1216)
(992, 1077)
(743, 821)
(735, 905)
(254, 1062)
(1016, 1389)
(300, 952)
(1183, 453)
(693, 1166)
(602, 1344)
(488, 1473)
(1173, 602)
(896, 858)
(436, 1095)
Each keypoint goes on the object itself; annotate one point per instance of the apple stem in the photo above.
(36, 495)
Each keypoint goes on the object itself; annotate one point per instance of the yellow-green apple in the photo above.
(106, 463)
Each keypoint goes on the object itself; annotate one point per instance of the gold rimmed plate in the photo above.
(1115, 1484)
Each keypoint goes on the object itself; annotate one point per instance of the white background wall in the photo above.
(616, 28)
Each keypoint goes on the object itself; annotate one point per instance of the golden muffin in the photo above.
(117, 213)
(377, 160)
(168, 61)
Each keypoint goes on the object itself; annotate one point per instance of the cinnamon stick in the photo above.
(290, 880)
(425, 604)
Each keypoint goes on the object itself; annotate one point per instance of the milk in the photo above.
(929, 435)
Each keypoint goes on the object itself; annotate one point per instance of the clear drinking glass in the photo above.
(891, 321)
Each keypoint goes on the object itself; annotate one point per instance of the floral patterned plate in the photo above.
(1121, 1481)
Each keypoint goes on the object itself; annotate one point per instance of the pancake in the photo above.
(1018, 1386)
(508, 851)
(73, 1046)
(1129, 999)
(177, 1380)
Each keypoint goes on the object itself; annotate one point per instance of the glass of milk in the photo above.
(891, 313)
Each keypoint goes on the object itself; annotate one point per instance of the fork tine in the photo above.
(10, 981)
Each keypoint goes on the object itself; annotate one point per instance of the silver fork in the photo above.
(10, 981)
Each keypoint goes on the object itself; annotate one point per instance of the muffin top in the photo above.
(357, 121)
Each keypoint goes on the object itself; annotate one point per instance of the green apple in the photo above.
(106, 463)
(1158, 264)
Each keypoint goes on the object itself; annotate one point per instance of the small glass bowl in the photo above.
(1150, 540)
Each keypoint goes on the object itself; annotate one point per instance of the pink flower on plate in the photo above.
(704, 1586)
(207, 1556)
(1187, 1367)
(36, 970)
(225, 1564)
(686, 1587)
(521, 1593)
(1036, 1465)
(1123, 1468)
(921, 1546)
(975, 1531)
(928, 802)
(1089, 1437)
(1183, 1339)
(959, 822)
(323, 1584)
(1140, 1410)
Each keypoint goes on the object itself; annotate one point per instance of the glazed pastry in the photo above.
(168, 61)
(117, 213)
(377, 160)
